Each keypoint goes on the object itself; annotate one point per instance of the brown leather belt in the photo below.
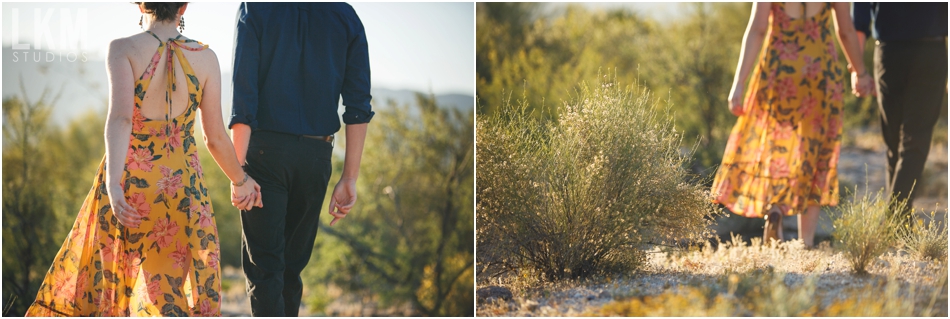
(325, 138)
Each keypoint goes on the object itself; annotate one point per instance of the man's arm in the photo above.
(356, 79)
(344, 193)
(356, 99)
(244, 81)
(861, 16)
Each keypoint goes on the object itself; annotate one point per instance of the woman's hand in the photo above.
(735, 101)
(127, 215)
(246, 196)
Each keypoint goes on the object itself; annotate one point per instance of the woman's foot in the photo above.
(773, 226)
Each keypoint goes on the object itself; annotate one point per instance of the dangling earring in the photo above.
(181, 25)
(140, 22)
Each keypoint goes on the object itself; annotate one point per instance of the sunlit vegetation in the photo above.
(407, 246)
(566, 224)
(583, 195)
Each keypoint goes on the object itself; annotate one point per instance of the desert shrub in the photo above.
(582, 195)
(866, 228)
(926, 240)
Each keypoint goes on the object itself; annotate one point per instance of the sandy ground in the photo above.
(669, 271)
(236, 304)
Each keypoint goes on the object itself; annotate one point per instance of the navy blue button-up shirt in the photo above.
(293, 61)
(901, 21)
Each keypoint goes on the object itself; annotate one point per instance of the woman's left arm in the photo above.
(848, 38)
(219, 144)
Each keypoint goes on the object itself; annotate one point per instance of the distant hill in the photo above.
(83, 85)
(382, 96)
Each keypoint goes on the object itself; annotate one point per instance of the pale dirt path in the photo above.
(665, 272)
(234, 302)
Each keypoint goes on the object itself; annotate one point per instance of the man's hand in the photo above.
(862, 85)
(343, 199)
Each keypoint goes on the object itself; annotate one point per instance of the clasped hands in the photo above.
(862, 84)
(247, 195)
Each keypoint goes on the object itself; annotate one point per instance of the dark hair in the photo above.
(163, 11)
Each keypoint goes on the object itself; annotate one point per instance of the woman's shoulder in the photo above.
(201, 60)
(133, 43)
(200, 49)
(130, 46)
(122, 44)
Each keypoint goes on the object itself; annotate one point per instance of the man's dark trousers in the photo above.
(911, 79)
(293, 172)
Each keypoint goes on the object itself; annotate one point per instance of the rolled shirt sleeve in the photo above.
(861, 15)
(245, 91)
(356, 81)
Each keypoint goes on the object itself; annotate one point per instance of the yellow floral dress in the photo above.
(168, 266)
(784, 151)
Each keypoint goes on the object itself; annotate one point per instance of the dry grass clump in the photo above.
(581, 195)
(926, 240)
(866, 228)
(687, 302)
(757, 293)
(763, 293)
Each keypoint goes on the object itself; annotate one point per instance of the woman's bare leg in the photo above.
(807, 222)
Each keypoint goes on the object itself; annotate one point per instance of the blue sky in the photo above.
(416, 46)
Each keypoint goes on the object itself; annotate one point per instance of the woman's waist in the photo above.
(163, 130)
(151, 157)
(179, 144)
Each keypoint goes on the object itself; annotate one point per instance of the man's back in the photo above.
(292, 61)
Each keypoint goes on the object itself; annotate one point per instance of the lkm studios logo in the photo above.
(73, 36)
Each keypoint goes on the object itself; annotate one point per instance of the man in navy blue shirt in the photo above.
(910, 70)
(292, 63)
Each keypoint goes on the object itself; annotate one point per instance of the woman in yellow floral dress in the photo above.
(154, 250)
(782, 155)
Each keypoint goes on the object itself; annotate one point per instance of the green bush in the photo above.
(407, 246)
(926, 240)
(689, 58)
(582, 195)
(866, 228)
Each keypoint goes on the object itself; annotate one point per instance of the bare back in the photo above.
(141, 48)
(794, 9)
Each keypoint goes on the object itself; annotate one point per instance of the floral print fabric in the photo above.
(784, 150)
(168, 265)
